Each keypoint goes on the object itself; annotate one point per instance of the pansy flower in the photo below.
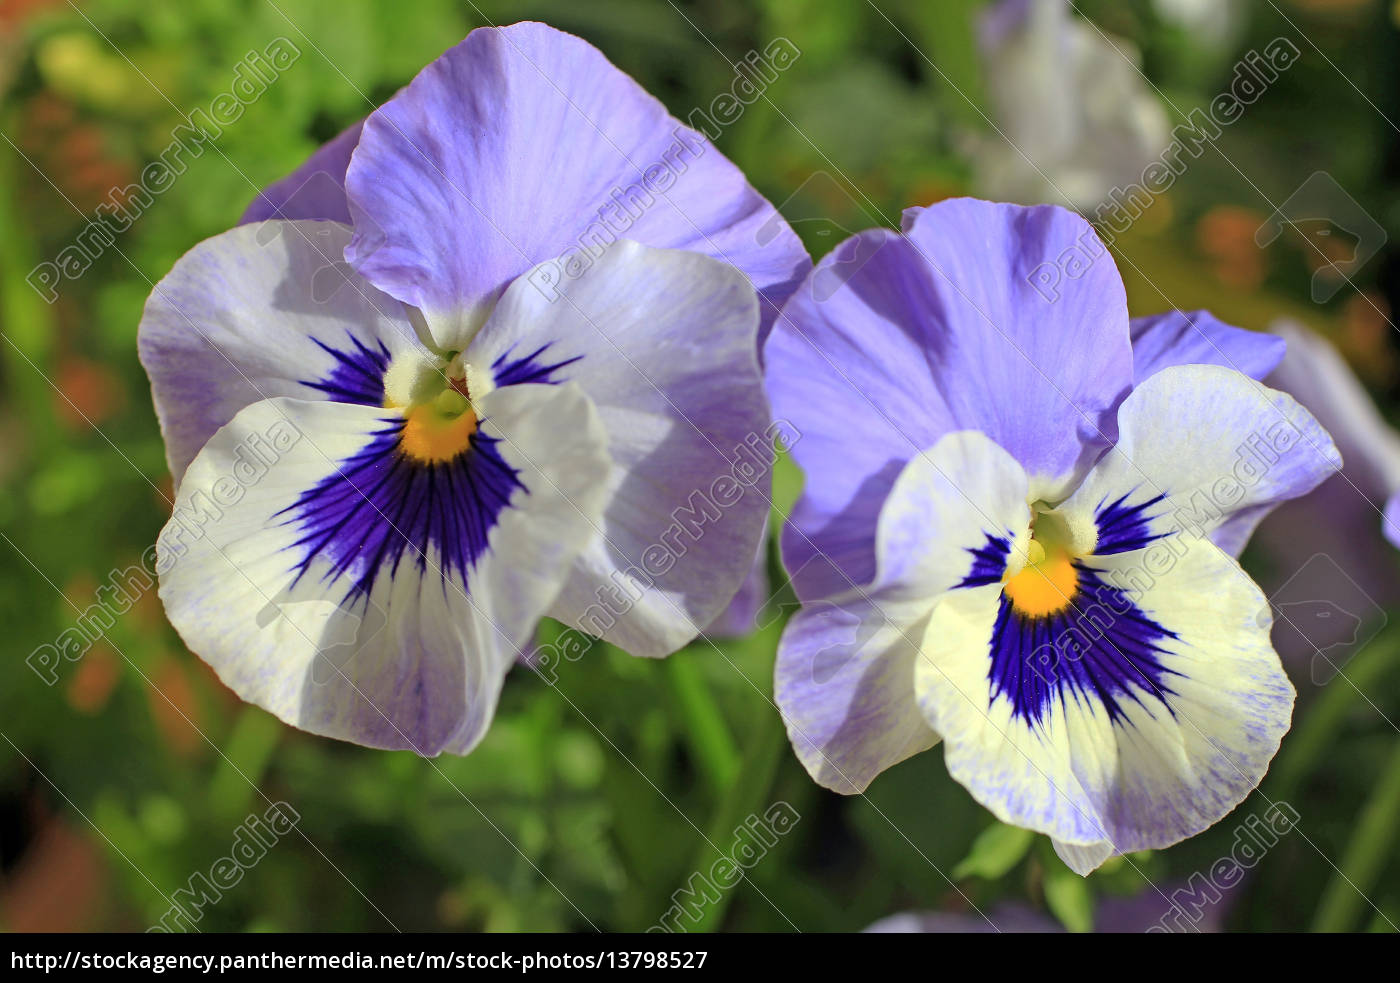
(1019, 527)
(469, 367)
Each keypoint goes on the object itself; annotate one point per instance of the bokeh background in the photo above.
(591, 806)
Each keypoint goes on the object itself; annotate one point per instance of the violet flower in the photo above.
(1019, 527)
(444, 390)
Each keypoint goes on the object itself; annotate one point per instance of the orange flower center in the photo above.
(439, 430)
(1046, 585)
(1043, 588)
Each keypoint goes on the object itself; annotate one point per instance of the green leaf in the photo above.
(996, 850)
(706, 733)
(1372, 843)
(1069, 898)
(1316, 734)
(246, 756)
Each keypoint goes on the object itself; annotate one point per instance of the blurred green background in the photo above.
(590, 806)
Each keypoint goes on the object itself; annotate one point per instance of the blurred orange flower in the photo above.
(175, 708)
(89, 393)
(1226, 235)
(1365, 338)
(14, 12)
(96, 676)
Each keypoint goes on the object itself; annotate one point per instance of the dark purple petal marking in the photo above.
(1100, 647)
(510, 371)
(358, 375)
(1123, 527)
(383, 506)
(988, 562)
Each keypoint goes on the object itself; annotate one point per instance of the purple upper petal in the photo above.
(896, 340)
(1198, 338)
(315, 190)
(1050, 363)
(523, 144)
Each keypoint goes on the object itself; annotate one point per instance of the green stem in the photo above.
(748, 795)
(1313, 736)
(247, 753)
(707, 734)
(1366, 855)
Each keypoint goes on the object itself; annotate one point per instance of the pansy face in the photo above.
(1022, 538)
(433, 402)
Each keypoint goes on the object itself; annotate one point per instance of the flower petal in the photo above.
(523, 144)
(1327, 573)
(1083, 859)
(663, 342)
(851, 364)
(739, 619)
(1199, 338)
(1203, 450)
(952, 326)
(843, 685)
(1004, 918)
(1051, 360)
(845, 669)
(1315, 373)
(1138, 718)
(263, 310)
(354, 594)
(315, 190)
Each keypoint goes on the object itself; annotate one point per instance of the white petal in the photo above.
(1085, 859)
(846, 668)
(1135, 744)
(1221, 448)
(664, 343)
(249, 315)
(417, 657)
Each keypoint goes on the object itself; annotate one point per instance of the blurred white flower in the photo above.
(1077, 118)
(1215, 23)
(1317, 375)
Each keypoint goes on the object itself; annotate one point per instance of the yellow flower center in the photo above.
(435, 396)
(431, 436)
(1048, 582)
